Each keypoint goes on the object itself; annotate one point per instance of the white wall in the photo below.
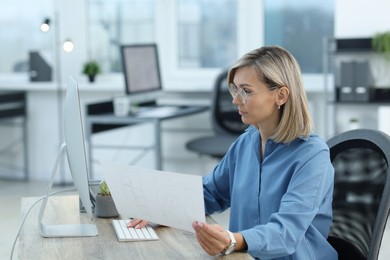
(71, 21)
(361, 18)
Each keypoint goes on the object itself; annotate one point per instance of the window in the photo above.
(300, 26)
(113, 23)
(203, 37)
(206, 33)
(206, 30)
(20, 33)
(195, 38)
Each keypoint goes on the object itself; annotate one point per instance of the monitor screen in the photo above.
(141, 70)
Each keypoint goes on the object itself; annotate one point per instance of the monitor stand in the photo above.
(65, 230)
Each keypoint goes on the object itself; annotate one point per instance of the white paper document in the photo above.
(170, 199)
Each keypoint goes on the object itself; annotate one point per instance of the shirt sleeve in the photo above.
(216, 189)
(217, 184)
(285, 229)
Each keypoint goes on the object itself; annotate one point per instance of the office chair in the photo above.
(361, 198)
(225, 120)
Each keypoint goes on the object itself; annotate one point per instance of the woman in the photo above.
(277, 177)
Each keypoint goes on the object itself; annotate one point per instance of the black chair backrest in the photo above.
(225, 117)
(361, 199)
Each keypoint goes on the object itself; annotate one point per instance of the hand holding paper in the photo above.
(170, 199)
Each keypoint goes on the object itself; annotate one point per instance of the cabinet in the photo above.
(13, 113)
(352, 74)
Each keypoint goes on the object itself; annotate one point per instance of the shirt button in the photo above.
(269, 142)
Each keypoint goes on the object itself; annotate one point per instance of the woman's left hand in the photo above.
(211, 237)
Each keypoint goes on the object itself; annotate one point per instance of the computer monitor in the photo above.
(141, 72)
(75, 150)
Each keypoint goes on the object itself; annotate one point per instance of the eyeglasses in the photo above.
(243, 95)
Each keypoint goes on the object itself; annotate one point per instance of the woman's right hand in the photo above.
(137, 223)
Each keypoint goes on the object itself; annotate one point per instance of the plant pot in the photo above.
(91, 78)
(105, 207)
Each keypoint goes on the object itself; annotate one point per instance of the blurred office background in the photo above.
(196, 40)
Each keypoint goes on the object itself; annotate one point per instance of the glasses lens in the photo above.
(241, 93)
(233, 90)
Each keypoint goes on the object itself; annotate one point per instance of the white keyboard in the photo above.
(124, 233)
(158, 111)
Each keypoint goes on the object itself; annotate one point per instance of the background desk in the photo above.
(13, 107)
(173, 243)
(95, 116)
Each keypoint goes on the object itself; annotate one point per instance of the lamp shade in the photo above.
(68, 45)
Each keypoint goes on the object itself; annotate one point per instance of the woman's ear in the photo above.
(282, 95)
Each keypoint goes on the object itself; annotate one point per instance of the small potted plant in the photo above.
(381, 63)
(91, 69)
(381, 43)
(105, 206)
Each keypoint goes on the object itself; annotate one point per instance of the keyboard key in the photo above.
(146, 233)
(139, 233)
(152, 233)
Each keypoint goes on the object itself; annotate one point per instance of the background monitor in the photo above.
(75, 150)
(141, 72)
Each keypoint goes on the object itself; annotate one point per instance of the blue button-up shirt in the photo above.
(281, 205)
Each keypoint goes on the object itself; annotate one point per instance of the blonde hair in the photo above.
(277, 68)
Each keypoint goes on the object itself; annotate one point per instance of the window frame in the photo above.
(250, 35)
(249, 19)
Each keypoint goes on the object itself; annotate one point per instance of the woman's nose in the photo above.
(236, 99)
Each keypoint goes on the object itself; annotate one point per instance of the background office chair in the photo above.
(225, 120)
(361, 198)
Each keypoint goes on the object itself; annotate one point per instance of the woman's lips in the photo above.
(242, 113)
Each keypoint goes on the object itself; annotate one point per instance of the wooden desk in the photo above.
(173, 243)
